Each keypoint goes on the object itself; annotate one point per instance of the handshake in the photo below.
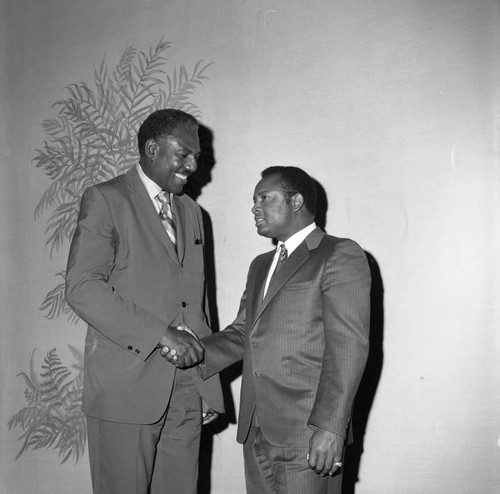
(181, 347)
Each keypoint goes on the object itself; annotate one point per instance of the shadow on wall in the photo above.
(197, 181)
(369, 382)
(371, 376)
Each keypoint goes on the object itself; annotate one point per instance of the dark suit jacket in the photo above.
(126, 281)
(304, 346)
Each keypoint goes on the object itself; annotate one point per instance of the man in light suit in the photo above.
(303, 335)
(136, 278)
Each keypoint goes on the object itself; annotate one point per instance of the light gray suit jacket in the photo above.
(304, 346)
(126, 281)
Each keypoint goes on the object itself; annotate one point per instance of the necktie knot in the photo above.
(164, 200)
(283, 255)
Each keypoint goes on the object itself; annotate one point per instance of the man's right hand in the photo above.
(181, 348)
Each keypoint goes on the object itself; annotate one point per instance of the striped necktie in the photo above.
(167, 216)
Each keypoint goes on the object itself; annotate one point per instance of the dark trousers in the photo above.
(271, 469)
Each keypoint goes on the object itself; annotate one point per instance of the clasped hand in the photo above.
(181, 347)
(187, 354)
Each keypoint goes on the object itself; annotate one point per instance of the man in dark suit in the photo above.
(136, 274)
(302, 331)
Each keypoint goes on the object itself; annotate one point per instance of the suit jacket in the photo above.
(126, 281)
(304, 346)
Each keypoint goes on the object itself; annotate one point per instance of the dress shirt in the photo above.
(291, 244)
(152, 188)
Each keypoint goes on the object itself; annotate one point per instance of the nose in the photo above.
(191, 164)
(254, 208)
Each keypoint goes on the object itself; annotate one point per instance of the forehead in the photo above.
(187, 138)
(268, 184)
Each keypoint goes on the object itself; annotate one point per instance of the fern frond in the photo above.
(143, 81)
(44, 436)
(55, 127)
(102, 83)
(31, 386)
(199, 69)
(72, 434)
(55, 302)
(61, 225)
(24, 417)
(181, 86)
(55, 418)
(121, 73)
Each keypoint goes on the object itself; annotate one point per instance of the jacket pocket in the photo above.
(302, 285)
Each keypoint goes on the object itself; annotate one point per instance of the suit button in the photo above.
(256, 374)
(129, 347)
(184, 304)
(137, 350)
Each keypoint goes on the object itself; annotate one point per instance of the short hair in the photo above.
(163, 123)
(293, 180)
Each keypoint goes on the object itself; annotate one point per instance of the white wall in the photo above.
(391, 105)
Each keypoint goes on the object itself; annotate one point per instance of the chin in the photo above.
(264, 233)
(177, 190)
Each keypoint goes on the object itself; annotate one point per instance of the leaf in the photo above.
(53, 417)
(92, 137)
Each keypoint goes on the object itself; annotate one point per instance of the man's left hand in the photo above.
(325, 452)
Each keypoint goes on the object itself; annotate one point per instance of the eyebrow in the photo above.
(272, 189)
(264, 191)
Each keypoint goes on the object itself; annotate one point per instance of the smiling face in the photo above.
(275, 216)
(172, 159)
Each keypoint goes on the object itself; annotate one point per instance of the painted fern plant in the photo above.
(92, 139)
(53, 416)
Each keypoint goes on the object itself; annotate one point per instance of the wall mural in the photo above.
(92, 139)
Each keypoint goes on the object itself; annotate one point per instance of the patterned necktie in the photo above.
(282, 258)
(167, 216)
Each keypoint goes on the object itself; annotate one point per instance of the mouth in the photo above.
(259, 221)
(182, 176)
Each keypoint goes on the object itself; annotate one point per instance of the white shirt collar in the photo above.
(297, 238)
(152, 187)
(291, 244)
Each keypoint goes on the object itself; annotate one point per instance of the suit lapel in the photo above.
(259, 282)
(146, 210)
(180, 217)
(292, 264)
(296, 259)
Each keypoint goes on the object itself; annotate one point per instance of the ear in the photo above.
(151, 148)
(297, 201)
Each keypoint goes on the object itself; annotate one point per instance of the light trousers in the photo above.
(159, 458)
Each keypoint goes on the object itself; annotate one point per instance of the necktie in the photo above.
(167, 216)
(282, 258)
